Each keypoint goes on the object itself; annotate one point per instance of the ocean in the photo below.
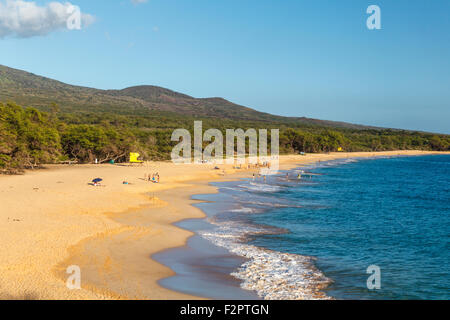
(315, 237)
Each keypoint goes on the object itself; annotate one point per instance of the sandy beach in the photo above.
(52, 218)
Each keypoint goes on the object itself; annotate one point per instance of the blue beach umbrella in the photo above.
(97, 180)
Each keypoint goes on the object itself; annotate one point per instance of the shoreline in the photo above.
(50, 219)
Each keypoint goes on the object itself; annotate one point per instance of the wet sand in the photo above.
(201, 267)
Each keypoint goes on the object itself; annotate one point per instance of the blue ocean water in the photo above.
(391, 212)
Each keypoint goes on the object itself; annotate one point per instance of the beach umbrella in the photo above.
(97, 180)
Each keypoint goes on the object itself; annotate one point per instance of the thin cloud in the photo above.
(138, 1)
(24, 19)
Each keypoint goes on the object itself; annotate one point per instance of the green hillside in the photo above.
(35, 91)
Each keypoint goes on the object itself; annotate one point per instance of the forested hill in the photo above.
(35, 91)
(45, 121)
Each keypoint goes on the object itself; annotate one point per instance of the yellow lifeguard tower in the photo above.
(134, 157)
(340, 149)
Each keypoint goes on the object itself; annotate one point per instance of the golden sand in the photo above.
(51, 219)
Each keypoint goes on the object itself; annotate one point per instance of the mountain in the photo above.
(29, 89)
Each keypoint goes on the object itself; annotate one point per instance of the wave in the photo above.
(280, 276)
(260, 187)
(244, 210)
(269, 204)
(333, 163)
(271, 274)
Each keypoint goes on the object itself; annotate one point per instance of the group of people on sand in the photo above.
(148, 177)
(265, 164)
(254, 166)
(154, 177)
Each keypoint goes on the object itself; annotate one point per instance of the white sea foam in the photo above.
(228, 188)
(273, 275)
(260, 187)
(272, 204)
(280, 276)
(244, 210)
(332, 163)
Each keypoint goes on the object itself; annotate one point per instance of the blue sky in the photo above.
(292, 57)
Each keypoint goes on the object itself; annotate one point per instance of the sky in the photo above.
(311, 58)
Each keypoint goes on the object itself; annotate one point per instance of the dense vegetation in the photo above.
(29, 137)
